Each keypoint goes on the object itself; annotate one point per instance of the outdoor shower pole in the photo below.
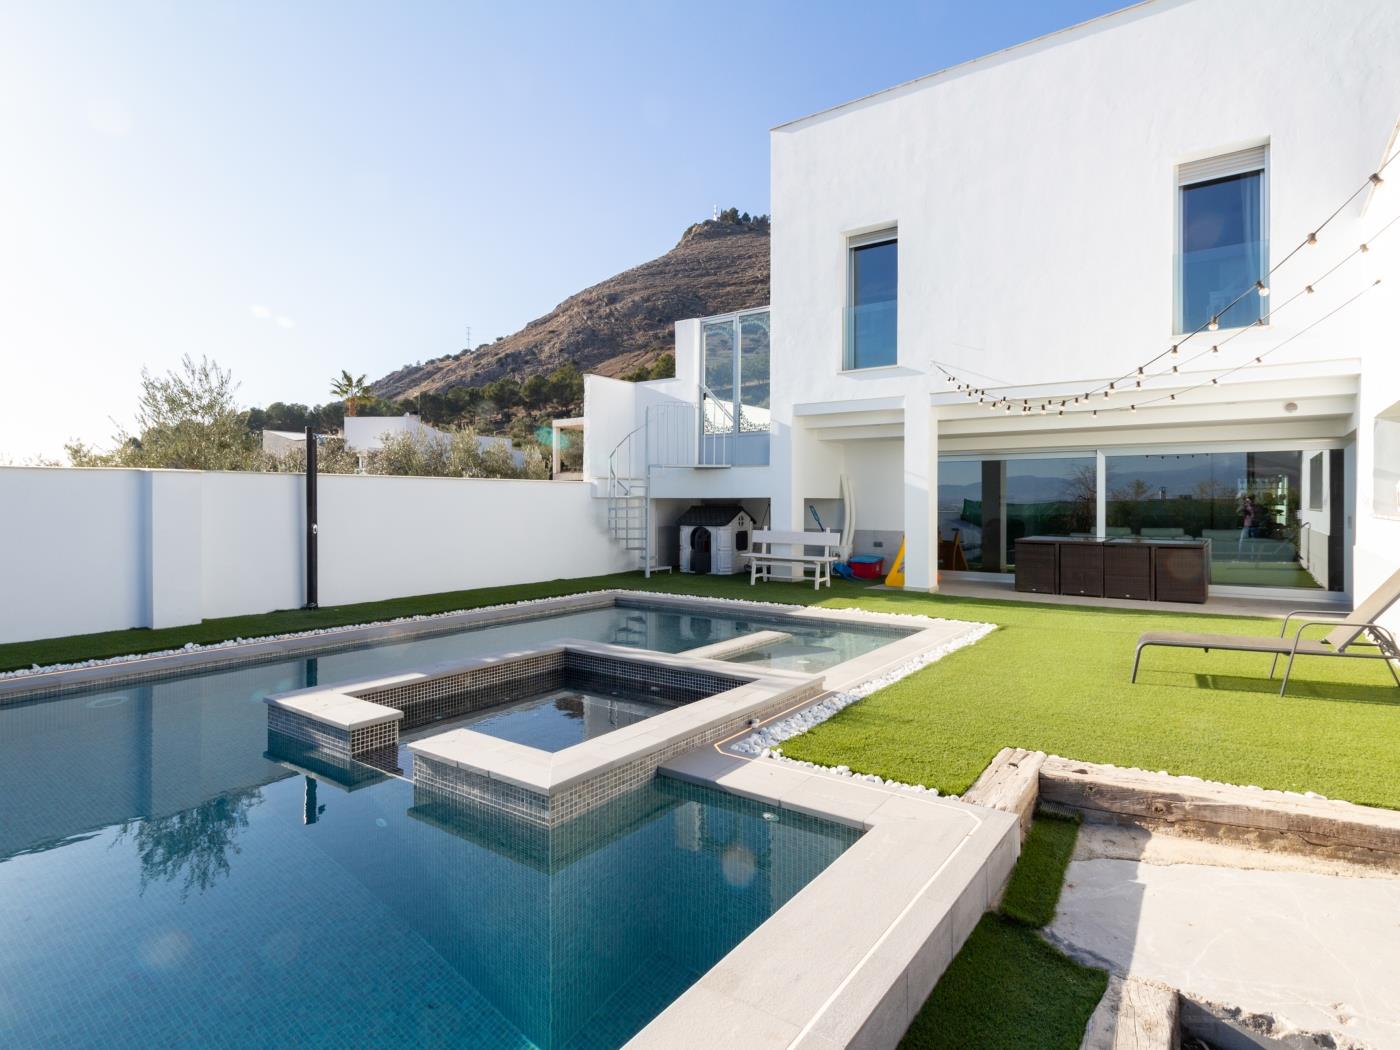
(311, 570)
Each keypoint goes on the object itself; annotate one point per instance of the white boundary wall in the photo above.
(99, 550)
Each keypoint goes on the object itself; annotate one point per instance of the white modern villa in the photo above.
(1067, 289)
(1109, 320)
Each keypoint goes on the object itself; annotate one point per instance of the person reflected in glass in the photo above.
(1249, 520)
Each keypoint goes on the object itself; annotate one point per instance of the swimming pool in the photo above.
(164, 881)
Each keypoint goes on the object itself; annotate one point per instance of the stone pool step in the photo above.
(850, 959)
(732, 647)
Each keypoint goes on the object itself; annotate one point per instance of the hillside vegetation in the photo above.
(616, 327)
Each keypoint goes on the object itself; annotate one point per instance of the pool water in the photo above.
(561, 718)
(165, 881)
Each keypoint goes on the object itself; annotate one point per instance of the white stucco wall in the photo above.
(1035, 191)
(1377, 539)
(95, 550)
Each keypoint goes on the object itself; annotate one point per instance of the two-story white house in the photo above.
(1110, 282)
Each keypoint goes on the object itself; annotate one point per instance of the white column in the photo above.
(920, 491)
(1101, 495)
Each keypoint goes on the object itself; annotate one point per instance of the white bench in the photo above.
(763, 558)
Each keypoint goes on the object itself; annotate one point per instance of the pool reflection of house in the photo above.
(144, 752)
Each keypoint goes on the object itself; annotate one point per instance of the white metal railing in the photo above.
(672, 434)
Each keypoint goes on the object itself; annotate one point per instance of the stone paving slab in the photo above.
(1317, 952)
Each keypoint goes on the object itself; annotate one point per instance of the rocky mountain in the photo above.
(621, 323)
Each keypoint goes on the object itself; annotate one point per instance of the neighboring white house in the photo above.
(954, 257)
(367, 433)
(281, 442)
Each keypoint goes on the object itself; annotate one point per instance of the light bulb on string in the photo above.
(1214, 325)
(1262, 288)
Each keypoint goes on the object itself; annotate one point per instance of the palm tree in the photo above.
(351, 390)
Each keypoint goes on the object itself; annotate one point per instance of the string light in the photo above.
(1261, 287)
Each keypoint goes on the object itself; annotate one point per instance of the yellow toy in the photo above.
(896, 574)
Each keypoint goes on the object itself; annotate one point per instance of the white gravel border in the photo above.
(763, 742)
(232, 643)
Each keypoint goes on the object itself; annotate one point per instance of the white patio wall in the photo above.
(1377, 550)
(97, 550)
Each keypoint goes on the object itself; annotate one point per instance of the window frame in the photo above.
(854, 242)
(1209, 169)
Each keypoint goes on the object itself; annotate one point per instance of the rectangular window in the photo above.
(872, 301)
(1222, 243)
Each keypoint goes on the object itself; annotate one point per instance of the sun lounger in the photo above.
(1355, 636)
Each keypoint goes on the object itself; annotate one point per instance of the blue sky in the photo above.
(297, 188)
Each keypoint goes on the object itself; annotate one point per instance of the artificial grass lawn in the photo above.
(1007, 988)
(1035, 884)
(78, 647)
(1052, 678)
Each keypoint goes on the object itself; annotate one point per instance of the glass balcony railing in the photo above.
(870, 339)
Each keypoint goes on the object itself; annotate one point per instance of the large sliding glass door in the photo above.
(1248, 504)
(1273, 517)
(989, 504)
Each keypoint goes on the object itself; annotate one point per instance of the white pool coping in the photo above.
(340, 710)
(57, 679)
(850, 959)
